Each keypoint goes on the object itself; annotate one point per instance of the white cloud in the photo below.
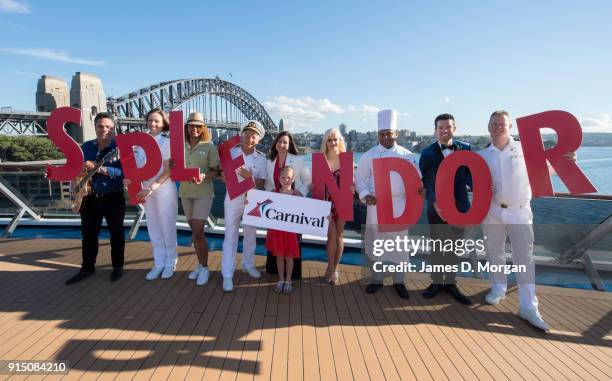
(369, 110)
(602, 123)
(50, 54)
(363, 110)
(300, 112)
(14, 6)
(446, 99)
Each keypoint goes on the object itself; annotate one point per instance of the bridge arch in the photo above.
(171, 95)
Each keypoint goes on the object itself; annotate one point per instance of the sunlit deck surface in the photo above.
(134, 329)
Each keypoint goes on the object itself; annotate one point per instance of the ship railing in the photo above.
(588, 247)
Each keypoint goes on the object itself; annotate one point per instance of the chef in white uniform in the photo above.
(254, 165)
(364, 184)
(510, 216)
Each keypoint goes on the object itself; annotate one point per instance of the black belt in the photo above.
(100, 196)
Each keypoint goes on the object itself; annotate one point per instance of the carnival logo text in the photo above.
(262, 209)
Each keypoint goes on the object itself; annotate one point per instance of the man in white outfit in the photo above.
(254, 165)
(364, 184)
(510, 216)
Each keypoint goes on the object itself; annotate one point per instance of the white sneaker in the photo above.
(228, 285)
(154, 273)
(252, 271)
(168, 272)
(202, 276)
(495, 297)
(534, 318)
(194, 274)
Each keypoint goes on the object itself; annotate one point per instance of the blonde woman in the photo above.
(332, 145)
(160, 200)
(197, 195)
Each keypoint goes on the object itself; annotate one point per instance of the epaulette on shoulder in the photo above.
(259, 152)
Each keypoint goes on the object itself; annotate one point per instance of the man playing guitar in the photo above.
(104, 200)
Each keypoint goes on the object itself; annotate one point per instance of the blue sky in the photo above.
(320, 63)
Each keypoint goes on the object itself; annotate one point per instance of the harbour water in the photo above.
(595, 162)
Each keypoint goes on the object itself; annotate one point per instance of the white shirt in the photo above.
(254, 162)
(364, 181)
(509, 174)
(303, 178)
(163, 142)
(446, 151)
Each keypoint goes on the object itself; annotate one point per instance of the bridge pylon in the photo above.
(87, 94)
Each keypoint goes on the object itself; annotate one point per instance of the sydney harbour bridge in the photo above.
(224, 105)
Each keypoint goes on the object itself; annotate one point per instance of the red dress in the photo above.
(336, 175)
(283, 244)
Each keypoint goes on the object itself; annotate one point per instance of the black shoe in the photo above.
(79, 277)
(401, 290)
(373, 287)
(457, 294)
(432, 290)
(116, 275)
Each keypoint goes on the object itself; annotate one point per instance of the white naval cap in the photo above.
(254, 126)
(387, 120)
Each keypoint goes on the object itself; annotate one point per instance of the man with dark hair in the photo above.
(365, 187)
(105, 200)
(430, 161)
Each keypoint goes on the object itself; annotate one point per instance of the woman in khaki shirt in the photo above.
(197, 195)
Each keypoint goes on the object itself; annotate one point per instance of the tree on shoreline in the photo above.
(28, 148)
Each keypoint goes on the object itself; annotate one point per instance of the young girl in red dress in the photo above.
(284, 245)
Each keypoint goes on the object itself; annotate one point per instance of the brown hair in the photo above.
(292, 147)
(500, 113)
(164, 117)
(205, 135)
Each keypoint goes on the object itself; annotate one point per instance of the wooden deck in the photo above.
(134, 329)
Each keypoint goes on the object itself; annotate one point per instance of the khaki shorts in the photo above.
(198, 208)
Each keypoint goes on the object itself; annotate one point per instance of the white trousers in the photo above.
(161, 209)
(518, 225)
(233, 210)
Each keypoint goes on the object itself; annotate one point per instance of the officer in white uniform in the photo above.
(364, 184)
(510, 216)
(254, 165)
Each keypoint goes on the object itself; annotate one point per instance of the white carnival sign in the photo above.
(278, 211)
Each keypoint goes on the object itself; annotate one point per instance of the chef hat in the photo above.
(387, 120)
